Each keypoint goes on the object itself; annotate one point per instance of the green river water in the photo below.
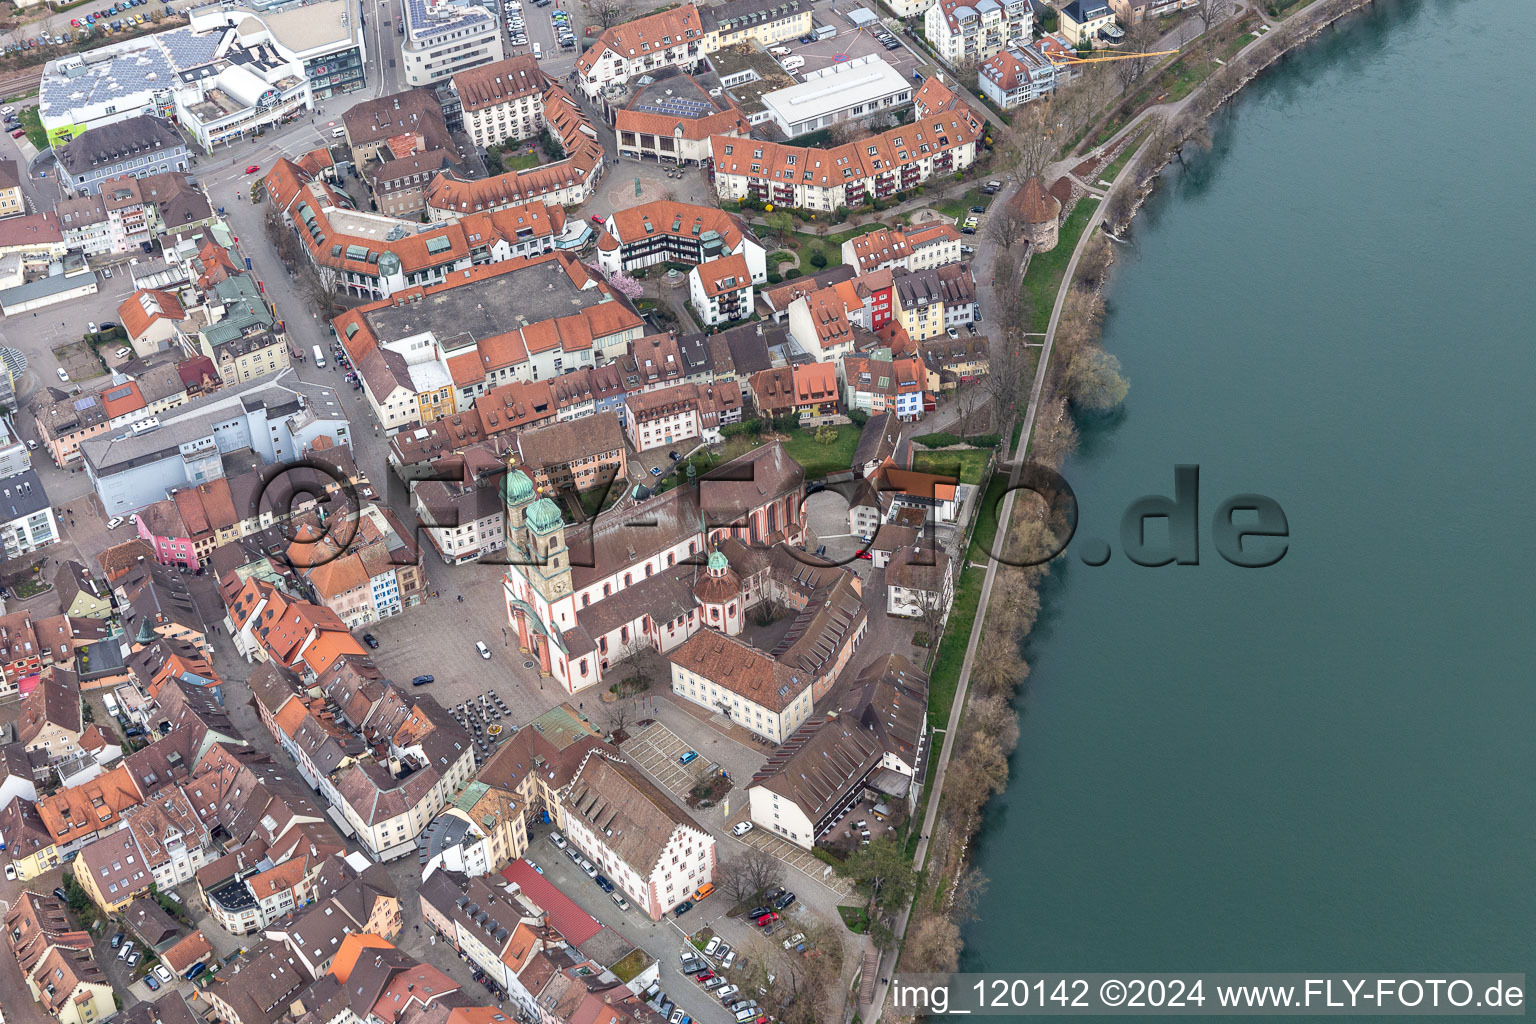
(1330, 764)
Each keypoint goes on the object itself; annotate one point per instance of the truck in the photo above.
(319, 357)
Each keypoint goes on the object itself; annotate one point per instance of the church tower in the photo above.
(718, 594)
(549, 563)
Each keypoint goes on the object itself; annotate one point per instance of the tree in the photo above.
(626, 285)
(931, 609)
(619, 714)
(1092, 379)
(1140, 39)
(606, 13)
(1030, 142)
(998, 665)
(1213, 13)
(745, 878)
(1004, 227)
(826, 434)
(884, 871)
(779, 224)
(1075, 105)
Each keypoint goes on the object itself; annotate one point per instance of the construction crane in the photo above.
(1068, 60)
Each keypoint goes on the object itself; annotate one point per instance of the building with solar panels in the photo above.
(226, 75)
(444, 37)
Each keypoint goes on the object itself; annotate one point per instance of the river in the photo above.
(1326, 765)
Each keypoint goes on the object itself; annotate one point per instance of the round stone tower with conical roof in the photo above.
(1041, 213)
(718, 593)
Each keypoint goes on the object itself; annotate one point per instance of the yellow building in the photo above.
(918, 304)
(752, 21)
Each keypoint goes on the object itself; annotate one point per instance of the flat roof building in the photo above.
(849, 91)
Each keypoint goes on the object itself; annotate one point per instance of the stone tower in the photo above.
(1041, 213)
(549, 568)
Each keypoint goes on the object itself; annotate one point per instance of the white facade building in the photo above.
(850, 91)
(445, 37)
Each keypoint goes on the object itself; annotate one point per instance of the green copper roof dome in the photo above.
(544, 515)
(717, 562)
(517, 486)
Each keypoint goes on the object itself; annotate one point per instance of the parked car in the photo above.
(713, 983)
(558, 840)
(784, 901)
(150, 983)
(485, 652)
(688, 757)
(18, 133)
(117, 939)
(423, 680)
(619, 900)
(767, 919)
(195, 971)
(371, 640)
(589, 868)
(757, 912)
(741, 828)
(133, 959)
(10, 872)
(726, 993)
(794, 940)
(603, 883)
(115, 522)
(163, 973)
(682, 908)
(728, 959)
(713, 946)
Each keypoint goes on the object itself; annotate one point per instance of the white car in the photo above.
(558, 840)
(10, 872)
(62, 375)
(90, 326)
(163, 973)
(485, 652)
(589, 868)
(7, 111)
(714, 944)
(741, 828)
(115, 522)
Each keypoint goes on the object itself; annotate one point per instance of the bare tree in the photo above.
(1030, 142)
(1214, 12)
(1005, 228)
(607, 13)
(1075, 105)
(1140, 40)
(619, 715)
(931, 609)
(747, 877)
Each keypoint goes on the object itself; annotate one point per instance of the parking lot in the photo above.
(853, 42)
(656, 750)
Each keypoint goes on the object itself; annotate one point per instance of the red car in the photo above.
(767, 919)
(253, 168)
(704, 975)
(18, 133)
(863, 554)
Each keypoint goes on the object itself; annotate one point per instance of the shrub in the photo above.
(792, 273)
(774, 277)
(818, 258)
(858, 417)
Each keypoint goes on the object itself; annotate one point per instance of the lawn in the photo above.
(817, 459)
(966, 463)
(32, 122)
(856, 918)
(944, 674)
(954, 206)
(1046, 269)
(821, 459)
(519, 161)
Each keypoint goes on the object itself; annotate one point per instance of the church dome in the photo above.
(717, 562)
(720, 585)
(544, 515)
(517, 486)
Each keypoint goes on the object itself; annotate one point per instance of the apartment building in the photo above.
(680, 415)
(721, 290)
(944, 137)
(502, 101)
(965, 33)
(445, 37)
(665, 231)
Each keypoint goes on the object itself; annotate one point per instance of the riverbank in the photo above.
(947, 895)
